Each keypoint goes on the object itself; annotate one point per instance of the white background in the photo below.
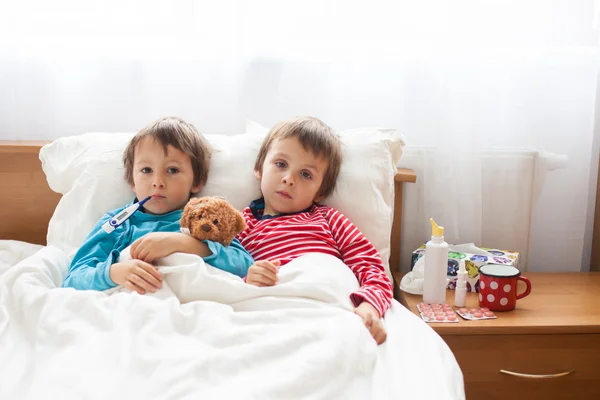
(458, 77)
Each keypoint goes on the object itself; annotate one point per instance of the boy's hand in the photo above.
(155, 245)
(136, 275)
(372, 321)
(263, 273)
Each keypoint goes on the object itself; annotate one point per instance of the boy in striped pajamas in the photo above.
(298, 165)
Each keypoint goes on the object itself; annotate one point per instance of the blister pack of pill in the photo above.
(473, 314)
(437, 312)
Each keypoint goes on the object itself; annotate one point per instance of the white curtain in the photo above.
(485, 92)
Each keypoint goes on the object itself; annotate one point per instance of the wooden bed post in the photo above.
(402, 175)
(595, 259)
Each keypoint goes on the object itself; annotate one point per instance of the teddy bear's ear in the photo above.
(185, 218)
(240, 224)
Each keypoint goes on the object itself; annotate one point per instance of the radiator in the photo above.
(497, 200)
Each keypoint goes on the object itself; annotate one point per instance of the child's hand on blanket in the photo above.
(372, 321)
(136, 275)
(263, 273)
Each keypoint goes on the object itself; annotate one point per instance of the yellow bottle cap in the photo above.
(435, 229)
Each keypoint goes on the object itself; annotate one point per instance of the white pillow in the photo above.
(88, 171)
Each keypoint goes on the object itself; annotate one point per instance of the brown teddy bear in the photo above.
(212, 218)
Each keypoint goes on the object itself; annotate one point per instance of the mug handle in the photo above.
(527, 290)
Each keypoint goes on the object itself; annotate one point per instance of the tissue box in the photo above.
(472, 263)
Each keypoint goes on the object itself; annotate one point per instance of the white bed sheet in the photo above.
(13, 251)
(208, 335)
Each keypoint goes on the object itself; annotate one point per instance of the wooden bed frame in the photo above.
(27, 203)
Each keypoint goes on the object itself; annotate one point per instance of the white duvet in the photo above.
(206, 334)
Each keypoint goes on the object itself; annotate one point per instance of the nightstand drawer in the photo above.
(482, 357)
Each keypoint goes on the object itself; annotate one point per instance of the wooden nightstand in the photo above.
(555, 330)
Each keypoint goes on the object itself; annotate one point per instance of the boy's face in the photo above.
(168, 178)
(291, 177)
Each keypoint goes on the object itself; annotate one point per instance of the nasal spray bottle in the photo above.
(436, 266)
(460, 292)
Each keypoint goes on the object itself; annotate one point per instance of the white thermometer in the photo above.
(123, 216)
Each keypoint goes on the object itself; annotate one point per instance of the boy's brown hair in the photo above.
(316, 137)
(173, 131)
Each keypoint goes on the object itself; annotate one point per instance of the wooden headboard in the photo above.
(27, 203)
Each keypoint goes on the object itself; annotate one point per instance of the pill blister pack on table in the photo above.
(473, 314)
(437, 312)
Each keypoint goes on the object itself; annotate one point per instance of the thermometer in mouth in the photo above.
(123, 216)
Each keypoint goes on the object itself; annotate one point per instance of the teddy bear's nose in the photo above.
(206, 227)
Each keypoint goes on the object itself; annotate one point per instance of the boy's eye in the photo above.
(280, 164)
(306, 175)
(146, 170)
(216, 222)
(172, 170)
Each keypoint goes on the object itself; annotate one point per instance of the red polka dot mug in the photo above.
(498, 287)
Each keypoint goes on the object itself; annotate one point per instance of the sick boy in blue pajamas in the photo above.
(168, 160)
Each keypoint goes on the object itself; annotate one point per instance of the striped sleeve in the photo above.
(364, 261)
